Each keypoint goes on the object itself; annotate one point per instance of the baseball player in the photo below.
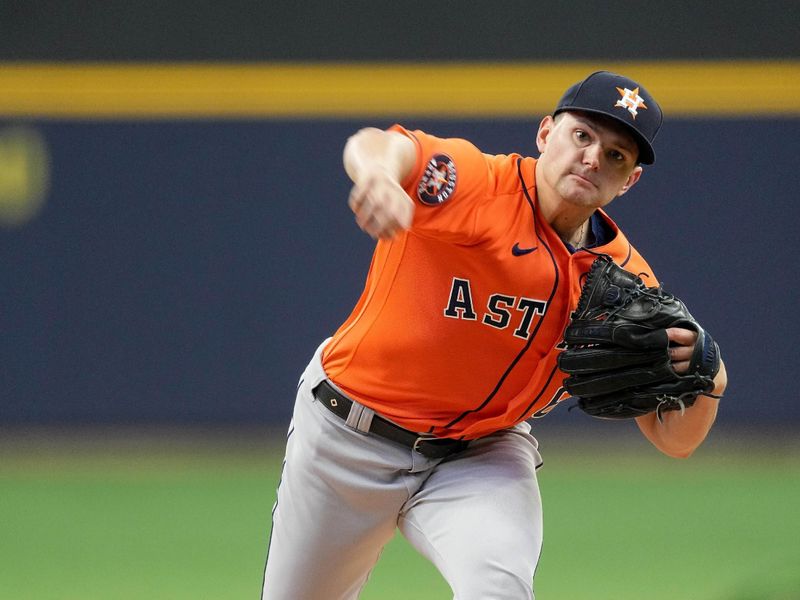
(415, 413)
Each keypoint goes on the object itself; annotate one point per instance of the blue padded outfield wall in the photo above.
(174, 235)
(184, 271)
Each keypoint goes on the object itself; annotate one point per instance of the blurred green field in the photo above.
(168, 516)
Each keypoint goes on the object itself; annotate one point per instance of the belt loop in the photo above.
(365, 420)
(359, 417)
(354, 415)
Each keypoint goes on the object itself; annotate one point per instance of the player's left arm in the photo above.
(679, 434)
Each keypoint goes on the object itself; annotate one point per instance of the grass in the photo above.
(166, 517)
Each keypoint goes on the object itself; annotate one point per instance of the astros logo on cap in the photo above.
(631, 100)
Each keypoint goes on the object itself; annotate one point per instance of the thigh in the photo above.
(478, 518)
(337, 506)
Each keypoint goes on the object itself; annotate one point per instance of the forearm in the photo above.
(378, 162)
(371, 150)
(678, 435)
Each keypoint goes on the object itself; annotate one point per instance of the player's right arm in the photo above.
(378, 162)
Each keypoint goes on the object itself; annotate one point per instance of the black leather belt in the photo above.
(430, 447)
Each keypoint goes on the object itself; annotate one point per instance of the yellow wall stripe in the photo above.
(391, 90)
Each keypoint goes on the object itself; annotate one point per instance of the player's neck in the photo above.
(570, 222)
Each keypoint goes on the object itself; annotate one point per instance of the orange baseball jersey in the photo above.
(457, 330)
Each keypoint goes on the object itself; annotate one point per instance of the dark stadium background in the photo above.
(165, 277)
(181, 270)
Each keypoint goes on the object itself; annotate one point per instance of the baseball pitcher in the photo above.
(498, 288)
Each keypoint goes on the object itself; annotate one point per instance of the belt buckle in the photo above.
(420, 440)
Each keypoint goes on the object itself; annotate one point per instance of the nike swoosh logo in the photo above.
(517, 251)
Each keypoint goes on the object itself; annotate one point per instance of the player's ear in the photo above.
(545, 127)
(632, 179)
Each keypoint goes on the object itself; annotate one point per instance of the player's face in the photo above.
(585, 160)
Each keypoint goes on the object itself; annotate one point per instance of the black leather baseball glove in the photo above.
(617, 351)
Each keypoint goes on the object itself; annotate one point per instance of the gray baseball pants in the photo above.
(475, 515)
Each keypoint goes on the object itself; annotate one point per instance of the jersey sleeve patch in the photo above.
(438, 182)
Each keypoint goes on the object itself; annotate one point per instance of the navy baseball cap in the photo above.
(621, 99)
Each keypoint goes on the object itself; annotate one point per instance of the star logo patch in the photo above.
(631, 100)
